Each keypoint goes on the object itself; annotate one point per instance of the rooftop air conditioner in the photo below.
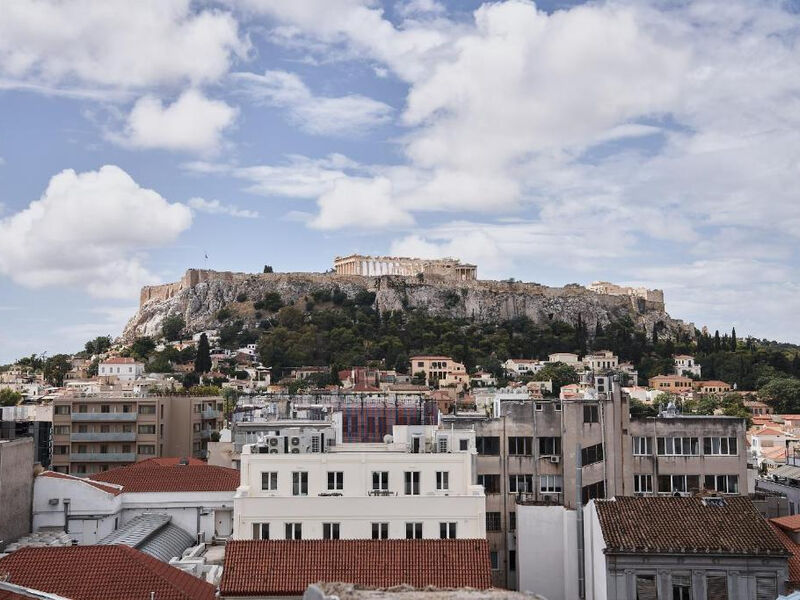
(295, 450)
(295, 441)
(273, 451)
(273, 441)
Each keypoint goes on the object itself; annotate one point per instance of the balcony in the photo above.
(205, 434)
(104, 417)
(127, 457)
(209, 414)
(103, 437)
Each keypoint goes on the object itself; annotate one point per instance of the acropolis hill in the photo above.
(442, 287)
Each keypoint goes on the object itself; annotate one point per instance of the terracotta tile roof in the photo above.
(167, 475)
(109, 489)
(769, 431)
(790, 523)
(669, 525)
(119, 360)
(287, 567)
(101, 573)
(794, 550)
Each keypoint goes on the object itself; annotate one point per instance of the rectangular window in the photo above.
(105, 408)
(646, 587)
(549, 446)
(492, 521)
(463, 445)
(380, 480)
(717, 587)
(330, 531)
(591, 414)
(335, 480)
(294, 531)
(520, 446)
(412, 483)
(557, 406)
(720, 446)
(549, 484)
(512, 560)
(642, 446)
(60, 450)
(643, 484)
(316, 444)
(681, 587)
(447, 531)
(147, 449)
(593, 490)
(147, 409)
(494, 560)
(61, 430)
(442, 480)
(62, 410)
(147, 429)
(724, 484)
(413, 531)
(490, 483)
(269, 481)
(766, 587)
(678, 446)
(520, 483)
(592, 454)
(488, 445)
(380, 531)
(299, 483)
(512, 521)
(539, 406)
(671, 484)
(441, 444)
(260, 531)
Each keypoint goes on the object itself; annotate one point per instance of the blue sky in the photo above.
(647, 144)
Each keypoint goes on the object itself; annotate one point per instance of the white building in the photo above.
(564, 357)
(123, 368)
(685, 366)
(416, 485)
(516, 367)
(601, 360)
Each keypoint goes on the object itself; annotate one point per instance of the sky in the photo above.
(653, 144)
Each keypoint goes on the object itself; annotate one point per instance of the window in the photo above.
(593, 490)
(642, 446)
(681, 587)
(591, 414)
(299, 483)
(678, 446)
(335, 480)
(549, 446)
(512, 521)
(412, 483)
(549, 484)
(380, 531)
(539, 406)
(147, 429)
(724, 484)
(316, 444)
(447, 531)
(592, 454)
(520, 446)
(671, 484)
(147, 409)
(463, 445)
(147, 449)
(60, 450)
(557, 406)
(766, 587)
(520, 483)
(260, 531)
(442, 480)
(490, 483)
(441, 444)
(380, 480)
(413, 531)
(494, 560)
(488, 445)
(512, 560)
(269, 481)
(294, 531)
(330, 531)
(105, 408)
(720, 446)
(492, 521)
(61, 430)
(717, 587)
(642, 484)
(646, 587)
(61, 410)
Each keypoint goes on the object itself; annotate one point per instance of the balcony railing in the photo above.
(210, 413)
(102, 457)
(205, 434)
(103, 437)
(98, 417)
(382, 493)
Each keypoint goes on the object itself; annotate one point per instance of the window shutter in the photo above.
(766, 588)
(717, 587)
(646, 587)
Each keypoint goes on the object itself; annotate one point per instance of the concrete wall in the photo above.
(547, 551)
(594, 558)
(16, 489)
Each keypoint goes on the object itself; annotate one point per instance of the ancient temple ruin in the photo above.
(375, 266)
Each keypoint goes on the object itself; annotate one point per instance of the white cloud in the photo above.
(360, 203)
(215, 207)
(89, 230)
(191, 123)
(322, 115)
(115, 43)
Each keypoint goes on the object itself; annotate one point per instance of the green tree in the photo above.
(733, 339)
(640, 409)
(9, 397)
(173, 327)
(142, 347)
(56, 367)
(202, 362)
(98, 345)
(782, 393)
(559, 373)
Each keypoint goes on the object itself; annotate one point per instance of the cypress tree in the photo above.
(733, 339)
(202, 362)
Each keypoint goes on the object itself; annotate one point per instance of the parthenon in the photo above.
(375, 266)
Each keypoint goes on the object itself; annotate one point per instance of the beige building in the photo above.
(375, 266)
(671, 383)
(601, 360)
(711, 387)
(439, 370)
(93, 433)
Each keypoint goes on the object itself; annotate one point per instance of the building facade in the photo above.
(375, 266)
(16, 488)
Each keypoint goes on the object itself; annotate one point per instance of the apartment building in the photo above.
(439, 368)
(674, 384)
(570, 450)
(97, 432)
(418, 485)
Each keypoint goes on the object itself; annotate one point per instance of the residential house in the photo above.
(673, 384)
(121, 368)
(685, 366)
(516, 367)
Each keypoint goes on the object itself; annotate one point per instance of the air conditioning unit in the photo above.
(295, 450)
(555, 459)
(550, 498)
(53, 502)
(295, 441)
(273, 441)
(273, 451)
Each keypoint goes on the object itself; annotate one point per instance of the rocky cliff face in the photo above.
(199, 295)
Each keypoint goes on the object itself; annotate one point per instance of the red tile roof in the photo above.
(790, 523)
(794, 559)
(168, 475)
(102, 573)
(119, 360)
(109, 489)
(287, 567)
(668, 525)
